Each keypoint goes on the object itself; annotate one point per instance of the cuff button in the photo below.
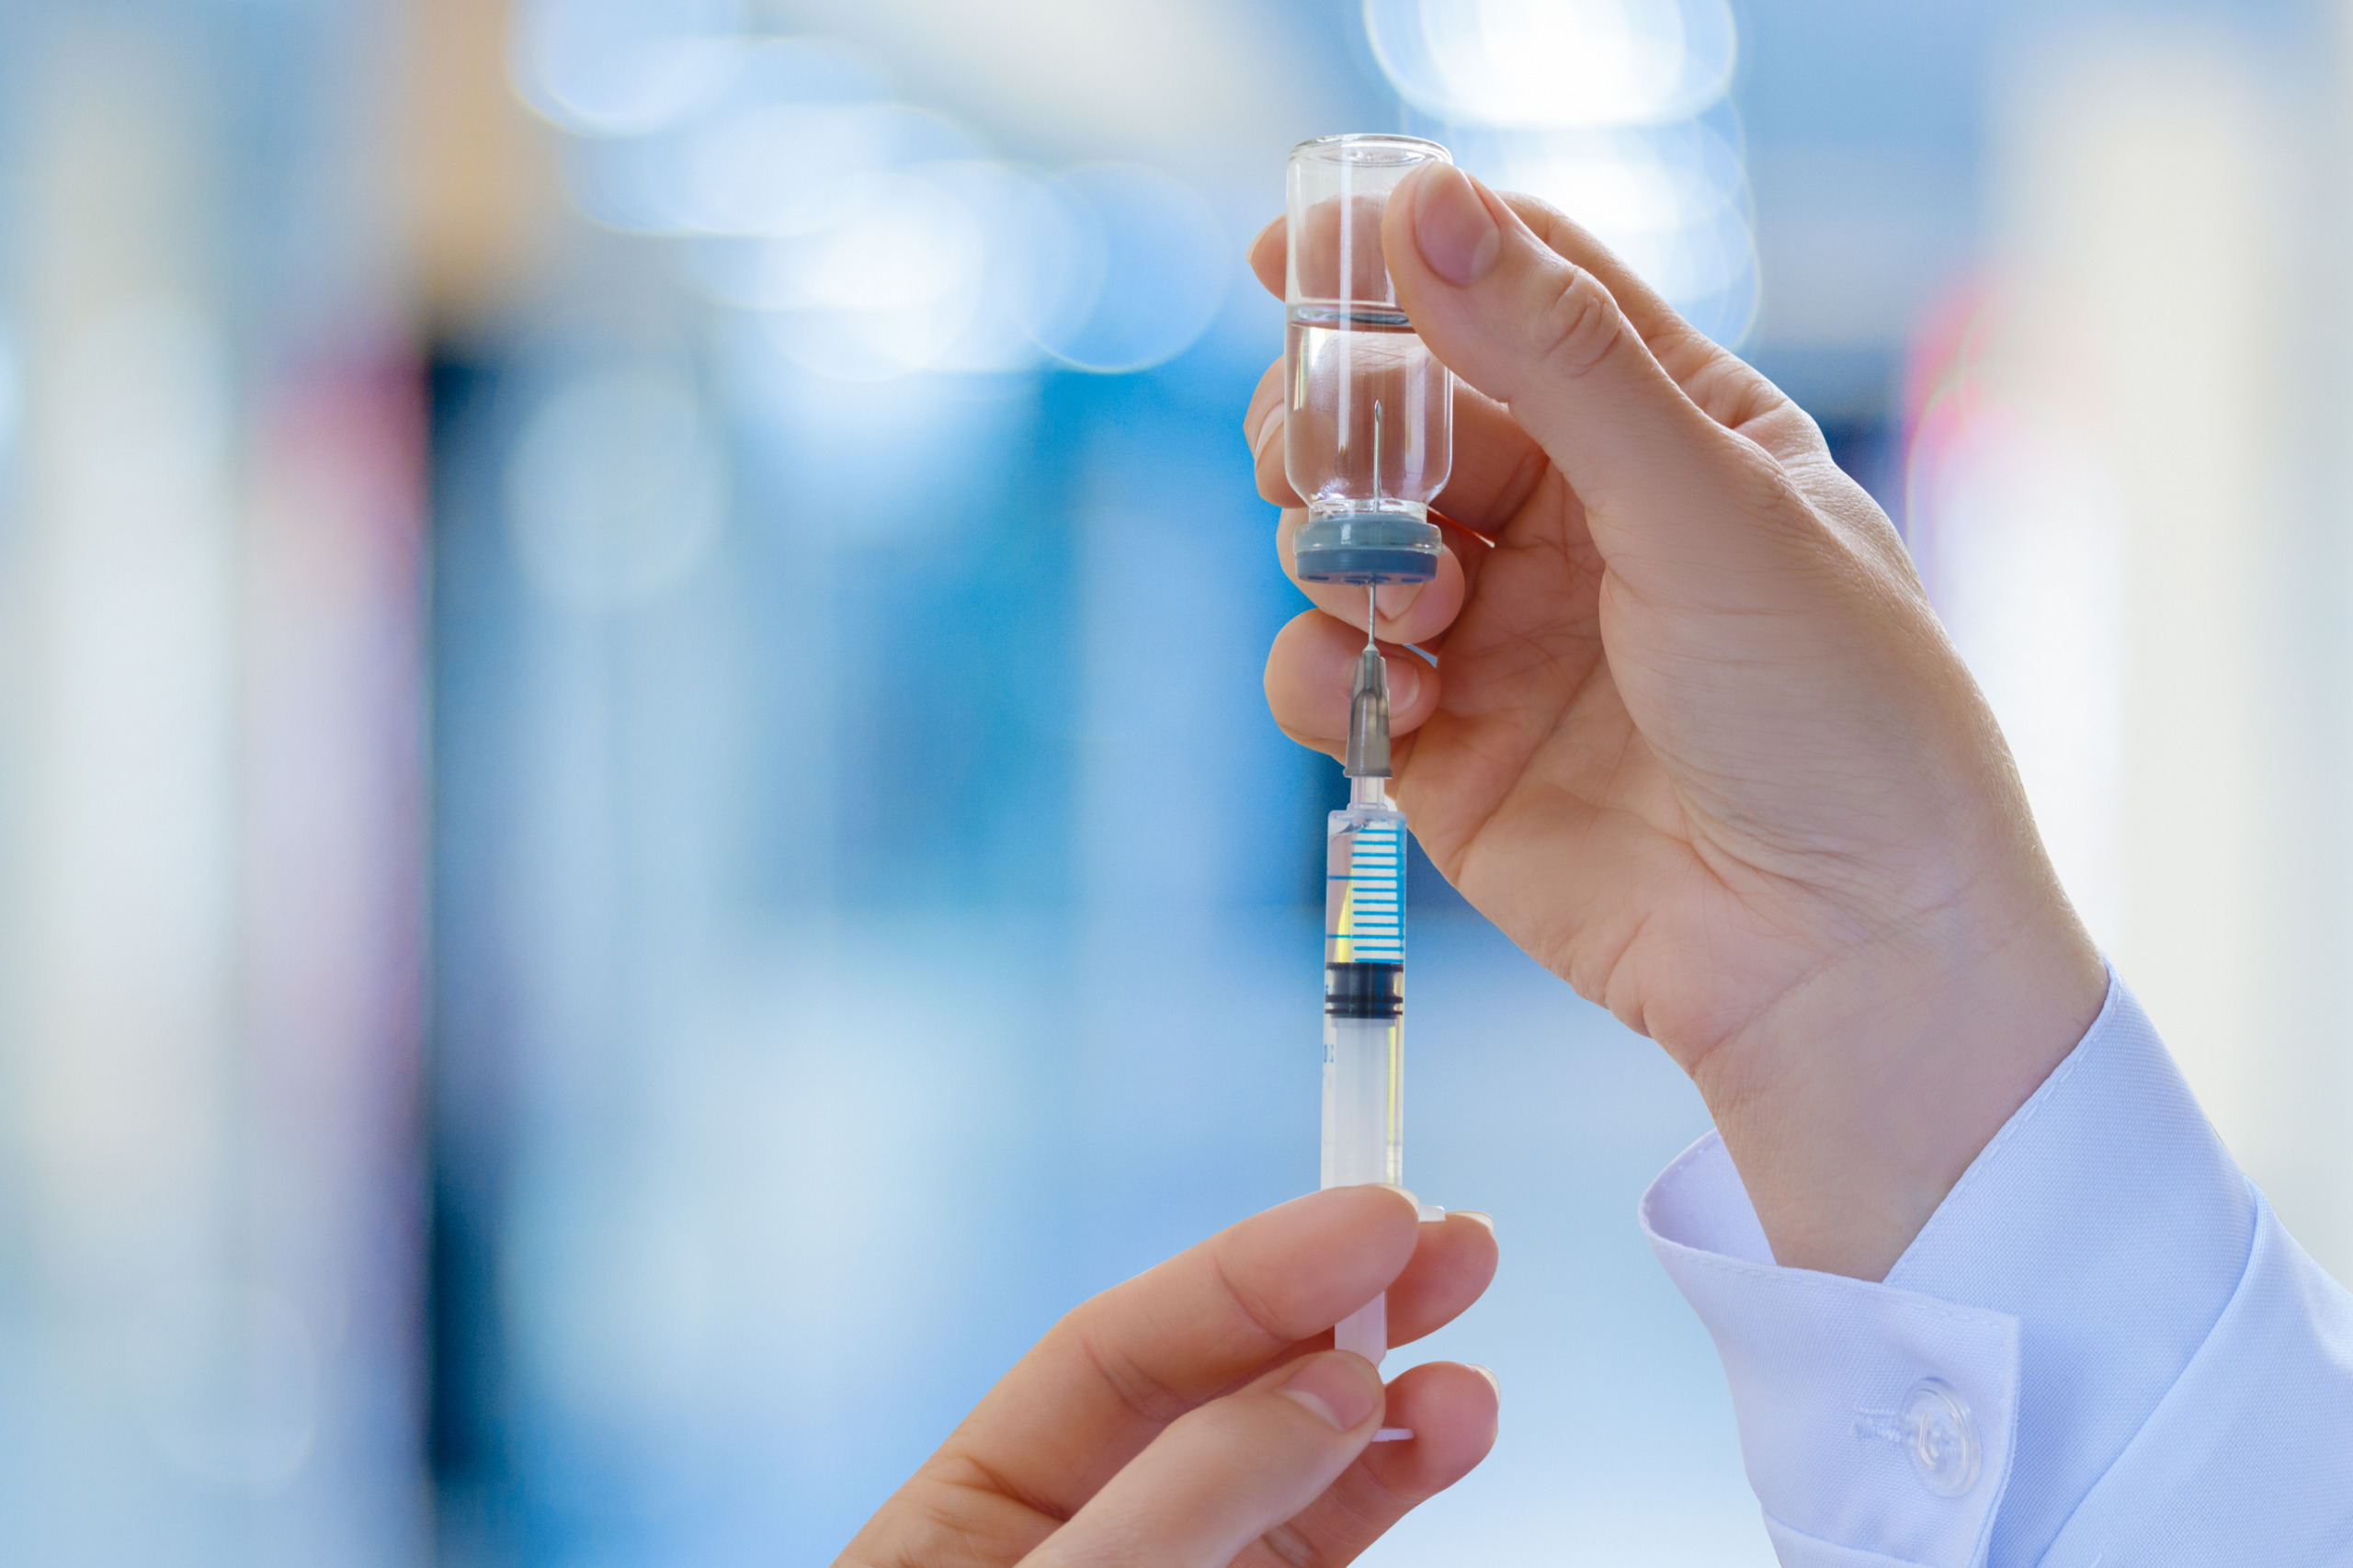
(1941, 1436)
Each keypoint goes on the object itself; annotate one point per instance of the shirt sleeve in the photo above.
(2102, 1349)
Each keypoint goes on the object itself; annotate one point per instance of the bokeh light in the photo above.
(1128, 268)
(1671, 201)
(615, 488)
(1554, 62)
(1606, 108)
(871, 238)
(623, 67)
(231, 1382)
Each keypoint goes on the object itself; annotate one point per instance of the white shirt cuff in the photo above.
(1966, 1406)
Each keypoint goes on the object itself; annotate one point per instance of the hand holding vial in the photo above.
(1682, 724)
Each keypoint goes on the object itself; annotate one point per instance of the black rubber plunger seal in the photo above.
(1364, 990)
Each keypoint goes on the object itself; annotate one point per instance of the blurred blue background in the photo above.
(637, 828)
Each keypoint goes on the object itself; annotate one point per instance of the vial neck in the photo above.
(1370, 793)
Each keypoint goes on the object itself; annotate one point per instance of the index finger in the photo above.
(1105, 1378)
(1104, 1382)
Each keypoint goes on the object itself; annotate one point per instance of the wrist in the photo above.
(1853, 1104)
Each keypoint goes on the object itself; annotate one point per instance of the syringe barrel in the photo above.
(1363, 1126)
(1364, 997)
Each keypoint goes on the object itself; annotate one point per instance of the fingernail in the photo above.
(1268, 423)
(1342, 1389)
(1457, 234)
(1405, 683)
(1493, 1381)
(1258, 239)
(1407, 1191)
(1484, 1219)
(1396, 598)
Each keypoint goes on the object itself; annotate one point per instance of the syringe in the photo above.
(1364, 974)
(1368, 444)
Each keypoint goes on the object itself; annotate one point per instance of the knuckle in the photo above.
(1756, 481)
(1735, 397)
(1540, 215)
(1552, 225)
(1257, 1314)
(1144, 1395)
(1780, 508)
(1288, 1546)
(1761, 481)
(1579, 325)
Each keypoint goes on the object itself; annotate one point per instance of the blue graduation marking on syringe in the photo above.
(1372, 914)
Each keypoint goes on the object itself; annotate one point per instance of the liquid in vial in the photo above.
(1371, 422)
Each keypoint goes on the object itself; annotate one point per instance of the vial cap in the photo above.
(1366, 547)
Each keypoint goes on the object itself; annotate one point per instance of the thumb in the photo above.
(1535, 331)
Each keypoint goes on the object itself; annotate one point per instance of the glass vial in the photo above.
(1369, 433)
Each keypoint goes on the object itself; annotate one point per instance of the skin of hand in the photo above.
(1196, 1417)
(1684, 725)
